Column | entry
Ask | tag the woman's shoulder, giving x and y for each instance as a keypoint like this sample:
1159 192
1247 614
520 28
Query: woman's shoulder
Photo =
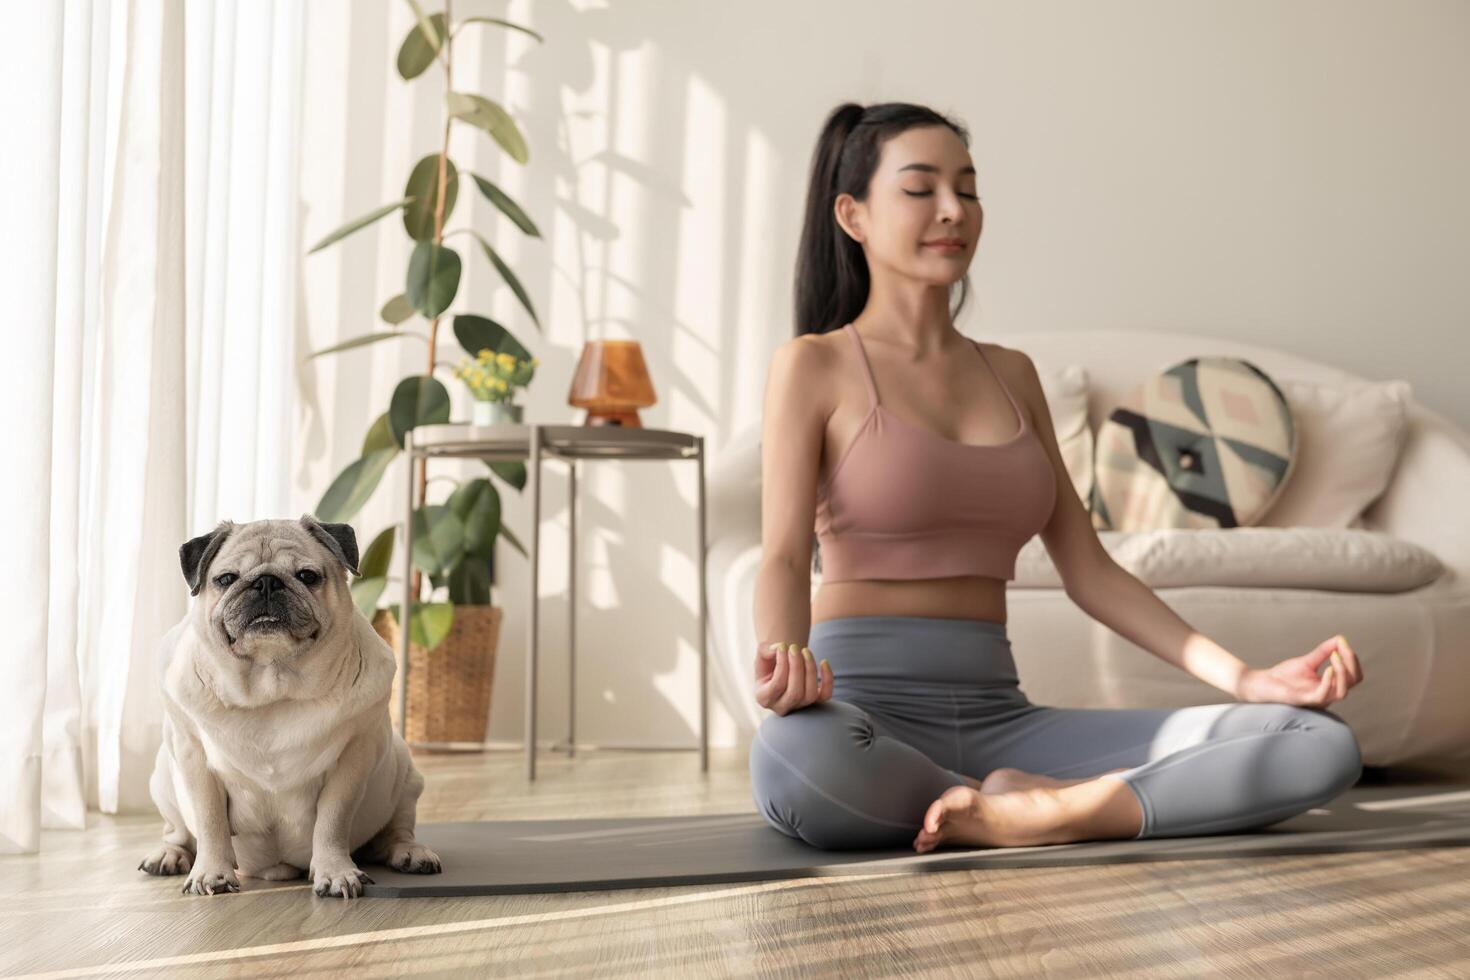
1013 360
804 361
809 352
805 374
1019 373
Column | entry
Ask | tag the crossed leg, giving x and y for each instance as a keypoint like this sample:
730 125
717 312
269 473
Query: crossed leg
839 775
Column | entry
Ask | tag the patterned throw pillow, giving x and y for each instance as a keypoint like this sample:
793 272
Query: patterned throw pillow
1209 442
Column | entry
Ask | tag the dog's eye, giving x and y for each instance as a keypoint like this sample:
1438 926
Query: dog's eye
308 577
224 580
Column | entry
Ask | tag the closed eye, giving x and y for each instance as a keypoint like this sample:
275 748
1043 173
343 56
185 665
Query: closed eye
973 197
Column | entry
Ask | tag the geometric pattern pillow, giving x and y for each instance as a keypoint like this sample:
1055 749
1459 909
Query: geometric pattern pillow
1207 443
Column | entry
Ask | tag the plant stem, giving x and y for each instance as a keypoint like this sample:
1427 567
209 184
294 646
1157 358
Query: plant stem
423 476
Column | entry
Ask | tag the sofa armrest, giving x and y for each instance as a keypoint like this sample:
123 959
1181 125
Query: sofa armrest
1425 502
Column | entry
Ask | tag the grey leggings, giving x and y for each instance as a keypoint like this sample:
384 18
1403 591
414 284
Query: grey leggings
919 701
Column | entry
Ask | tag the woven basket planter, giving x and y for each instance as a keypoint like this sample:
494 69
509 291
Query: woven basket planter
449 687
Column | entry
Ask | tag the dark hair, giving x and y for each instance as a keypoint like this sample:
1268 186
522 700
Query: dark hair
831 270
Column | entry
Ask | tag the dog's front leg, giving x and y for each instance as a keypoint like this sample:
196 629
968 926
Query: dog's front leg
214 865
332 869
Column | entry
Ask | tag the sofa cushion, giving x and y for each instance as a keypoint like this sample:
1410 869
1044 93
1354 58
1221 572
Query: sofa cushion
1350 435
1206 443
1065 389
1337 559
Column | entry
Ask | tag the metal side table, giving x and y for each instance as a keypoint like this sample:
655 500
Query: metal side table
534 442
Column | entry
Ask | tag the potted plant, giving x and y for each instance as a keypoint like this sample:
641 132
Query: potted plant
454 541
493 379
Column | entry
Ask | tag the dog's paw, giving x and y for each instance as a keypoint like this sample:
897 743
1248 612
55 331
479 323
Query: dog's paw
207 879
338 877
413 858
169 859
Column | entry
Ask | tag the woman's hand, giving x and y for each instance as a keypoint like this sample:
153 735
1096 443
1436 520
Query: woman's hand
787 678
1296 681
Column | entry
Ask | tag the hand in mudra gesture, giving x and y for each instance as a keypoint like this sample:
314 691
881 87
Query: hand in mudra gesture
1295 681
787 677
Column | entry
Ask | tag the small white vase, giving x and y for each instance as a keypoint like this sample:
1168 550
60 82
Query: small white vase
495 413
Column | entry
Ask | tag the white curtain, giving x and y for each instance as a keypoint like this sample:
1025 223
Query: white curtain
151 267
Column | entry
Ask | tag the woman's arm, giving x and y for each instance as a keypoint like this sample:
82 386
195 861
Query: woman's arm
1104 589
793 426
1116 598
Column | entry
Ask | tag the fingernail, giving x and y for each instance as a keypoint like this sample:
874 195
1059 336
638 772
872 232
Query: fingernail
807 654
825 664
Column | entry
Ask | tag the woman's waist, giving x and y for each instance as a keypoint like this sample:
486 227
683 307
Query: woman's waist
980 598
924 654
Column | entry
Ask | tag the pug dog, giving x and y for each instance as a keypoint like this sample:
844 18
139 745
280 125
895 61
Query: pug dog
278 753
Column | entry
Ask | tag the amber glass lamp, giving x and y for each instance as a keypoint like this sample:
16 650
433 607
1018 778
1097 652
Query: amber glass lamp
611 382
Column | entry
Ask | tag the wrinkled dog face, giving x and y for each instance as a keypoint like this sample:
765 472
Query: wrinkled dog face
271 588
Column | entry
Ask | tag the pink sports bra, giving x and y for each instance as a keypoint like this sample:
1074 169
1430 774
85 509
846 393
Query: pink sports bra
904 502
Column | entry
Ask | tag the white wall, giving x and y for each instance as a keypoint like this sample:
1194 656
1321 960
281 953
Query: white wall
1289 174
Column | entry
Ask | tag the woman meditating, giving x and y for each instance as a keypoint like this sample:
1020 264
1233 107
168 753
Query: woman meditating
924 461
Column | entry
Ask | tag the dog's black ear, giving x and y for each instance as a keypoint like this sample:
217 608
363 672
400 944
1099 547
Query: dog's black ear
339 539
196 554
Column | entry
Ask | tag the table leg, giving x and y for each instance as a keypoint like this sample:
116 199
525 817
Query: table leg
571 608
703 624
534 476
406 610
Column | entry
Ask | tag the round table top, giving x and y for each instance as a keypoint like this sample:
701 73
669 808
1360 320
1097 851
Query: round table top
512 440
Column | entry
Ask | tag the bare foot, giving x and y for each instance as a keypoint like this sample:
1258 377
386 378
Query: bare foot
1007 780
1019 818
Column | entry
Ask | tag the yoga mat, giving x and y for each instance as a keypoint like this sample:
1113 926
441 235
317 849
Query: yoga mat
501 857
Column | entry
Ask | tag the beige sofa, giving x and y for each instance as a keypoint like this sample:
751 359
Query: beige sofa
1395 579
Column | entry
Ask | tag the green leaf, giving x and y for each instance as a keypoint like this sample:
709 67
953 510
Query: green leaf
418 400
509 208
433 278
430 623
515 542
366 592
364 340
353 486
503 23
481 112
438 538
512 471
423 187
469 584
396 310
508 276
421 45
354 225
380 436
476 333
374 561
477 504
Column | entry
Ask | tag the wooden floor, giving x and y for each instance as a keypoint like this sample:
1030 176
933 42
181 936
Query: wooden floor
81 907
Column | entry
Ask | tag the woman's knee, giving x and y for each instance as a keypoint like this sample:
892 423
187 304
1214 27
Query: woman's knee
824 732
1339 764
788 750
811 780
